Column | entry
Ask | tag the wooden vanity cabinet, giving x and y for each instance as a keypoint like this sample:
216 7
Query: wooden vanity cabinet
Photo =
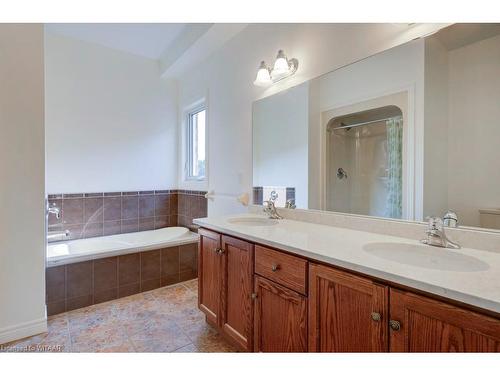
225 282
266 300
209 275
429 325
237 286
280 322
347 313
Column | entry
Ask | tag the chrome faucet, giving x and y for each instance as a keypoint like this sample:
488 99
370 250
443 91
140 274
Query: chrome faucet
290 204
436 235
54 210
450 219
270 209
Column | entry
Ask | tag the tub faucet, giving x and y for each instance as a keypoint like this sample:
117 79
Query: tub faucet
270 209
436 235
54 210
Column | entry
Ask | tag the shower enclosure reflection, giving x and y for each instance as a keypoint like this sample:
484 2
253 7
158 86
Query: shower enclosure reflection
365 163
407 133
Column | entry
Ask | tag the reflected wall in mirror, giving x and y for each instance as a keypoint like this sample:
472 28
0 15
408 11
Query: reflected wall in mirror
408 133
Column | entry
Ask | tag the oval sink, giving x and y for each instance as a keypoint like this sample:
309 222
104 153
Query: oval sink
425 256
252 221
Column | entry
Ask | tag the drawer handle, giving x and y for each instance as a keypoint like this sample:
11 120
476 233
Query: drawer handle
376 316
275 267
395 325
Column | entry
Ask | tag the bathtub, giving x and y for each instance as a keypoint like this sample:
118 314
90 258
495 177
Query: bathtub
101 247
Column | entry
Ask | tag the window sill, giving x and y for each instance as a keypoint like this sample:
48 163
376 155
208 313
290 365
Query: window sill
194 185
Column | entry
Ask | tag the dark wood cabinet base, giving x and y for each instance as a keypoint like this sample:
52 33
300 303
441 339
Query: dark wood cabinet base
267 300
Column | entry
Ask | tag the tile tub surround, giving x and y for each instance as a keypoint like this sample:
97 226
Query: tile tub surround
87 215
162 320
192 204
468 275
81 284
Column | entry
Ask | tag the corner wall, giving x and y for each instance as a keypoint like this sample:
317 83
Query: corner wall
22 174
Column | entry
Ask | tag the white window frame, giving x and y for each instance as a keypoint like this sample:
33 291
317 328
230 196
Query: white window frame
186 181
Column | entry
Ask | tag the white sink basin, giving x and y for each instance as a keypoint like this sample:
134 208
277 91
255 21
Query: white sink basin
252 221
425 256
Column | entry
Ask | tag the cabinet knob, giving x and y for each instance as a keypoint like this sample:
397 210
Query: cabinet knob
275 267
219 251
395 325
375 316
254 295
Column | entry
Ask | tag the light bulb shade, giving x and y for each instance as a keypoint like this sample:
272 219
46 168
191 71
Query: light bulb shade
281 66
263 77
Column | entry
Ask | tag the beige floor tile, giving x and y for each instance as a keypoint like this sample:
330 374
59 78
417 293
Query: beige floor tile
161 320
192 285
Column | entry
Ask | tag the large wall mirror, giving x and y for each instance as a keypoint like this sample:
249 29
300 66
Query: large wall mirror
408 133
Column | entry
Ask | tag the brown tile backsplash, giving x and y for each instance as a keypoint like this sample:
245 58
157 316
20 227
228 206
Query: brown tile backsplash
56 283
146 223
93 210
130 207
78 279
73 211
102 214
150 265
129 269
105 274
146 206
81 284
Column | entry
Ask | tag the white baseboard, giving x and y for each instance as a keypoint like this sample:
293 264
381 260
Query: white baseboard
19 331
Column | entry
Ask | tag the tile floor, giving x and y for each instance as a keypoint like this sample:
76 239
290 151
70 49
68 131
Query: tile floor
161 320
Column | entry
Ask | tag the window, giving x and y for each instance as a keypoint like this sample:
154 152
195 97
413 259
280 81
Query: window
195 147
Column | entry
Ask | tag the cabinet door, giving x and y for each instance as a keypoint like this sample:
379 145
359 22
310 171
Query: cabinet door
280 318
427 325
347 313
209 275
237 283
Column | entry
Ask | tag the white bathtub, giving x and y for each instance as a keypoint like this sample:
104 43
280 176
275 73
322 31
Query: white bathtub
101 247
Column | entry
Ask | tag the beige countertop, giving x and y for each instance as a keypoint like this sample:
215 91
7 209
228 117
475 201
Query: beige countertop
467 275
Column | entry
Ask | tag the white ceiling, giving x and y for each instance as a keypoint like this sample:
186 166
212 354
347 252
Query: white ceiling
148 40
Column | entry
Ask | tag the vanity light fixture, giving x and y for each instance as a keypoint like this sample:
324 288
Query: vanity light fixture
283 68
263 75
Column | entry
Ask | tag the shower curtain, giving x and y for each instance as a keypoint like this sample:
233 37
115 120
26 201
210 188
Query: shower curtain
395 167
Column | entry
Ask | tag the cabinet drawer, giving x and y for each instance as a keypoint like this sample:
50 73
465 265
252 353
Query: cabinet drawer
282 268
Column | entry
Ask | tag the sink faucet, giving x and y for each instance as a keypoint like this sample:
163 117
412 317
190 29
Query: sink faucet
436 235
270 209
290 204
450 219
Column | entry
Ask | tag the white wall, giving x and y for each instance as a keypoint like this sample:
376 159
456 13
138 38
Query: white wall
227 76
22 214
280 142
474 129
111 122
